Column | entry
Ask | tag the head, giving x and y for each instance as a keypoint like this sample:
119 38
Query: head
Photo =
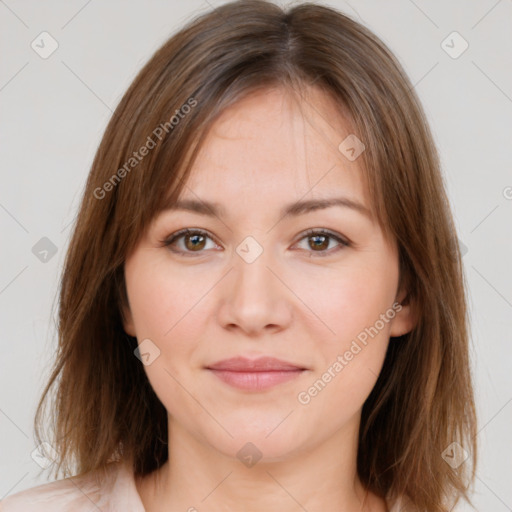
252 281
255 108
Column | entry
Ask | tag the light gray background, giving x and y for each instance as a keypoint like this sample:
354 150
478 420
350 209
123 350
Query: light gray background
53 114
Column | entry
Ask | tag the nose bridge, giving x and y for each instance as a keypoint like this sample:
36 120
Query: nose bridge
253 261
255 297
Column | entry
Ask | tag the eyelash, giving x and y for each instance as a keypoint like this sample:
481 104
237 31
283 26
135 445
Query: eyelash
169 241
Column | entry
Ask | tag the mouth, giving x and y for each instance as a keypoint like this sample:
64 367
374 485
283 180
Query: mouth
257 374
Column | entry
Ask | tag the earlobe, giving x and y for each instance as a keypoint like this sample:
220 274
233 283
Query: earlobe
405 319
127 318
403 322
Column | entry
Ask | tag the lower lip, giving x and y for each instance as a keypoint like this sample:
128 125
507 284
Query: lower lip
256 381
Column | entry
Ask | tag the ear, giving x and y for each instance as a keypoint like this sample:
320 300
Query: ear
406 317
127 317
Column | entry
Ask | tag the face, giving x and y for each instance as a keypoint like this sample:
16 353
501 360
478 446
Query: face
315 288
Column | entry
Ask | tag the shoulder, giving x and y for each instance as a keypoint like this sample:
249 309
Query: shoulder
112 488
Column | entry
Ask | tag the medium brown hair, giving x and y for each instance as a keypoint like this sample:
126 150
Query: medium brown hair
423 401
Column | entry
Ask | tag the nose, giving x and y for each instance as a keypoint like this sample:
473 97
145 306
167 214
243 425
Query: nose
254 297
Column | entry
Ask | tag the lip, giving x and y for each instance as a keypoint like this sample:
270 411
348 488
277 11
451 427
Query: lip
255 374
261 364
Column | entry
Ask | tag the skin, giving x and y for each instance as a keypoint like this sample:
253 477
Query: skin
295 302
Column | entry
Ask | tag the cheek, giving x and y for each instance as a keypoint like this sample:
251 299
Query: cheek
166 307
351 304
162 307
351 299
161 300
351 358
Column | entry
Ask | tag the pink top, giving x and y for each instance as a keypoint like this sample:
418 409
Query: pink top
113 491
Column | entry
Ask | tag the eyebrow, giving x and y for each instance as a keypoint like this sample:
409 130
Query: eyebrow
294 209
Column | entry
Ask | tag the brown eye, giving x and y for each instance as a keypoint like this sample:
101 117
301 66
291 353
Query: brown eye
319 241
194 241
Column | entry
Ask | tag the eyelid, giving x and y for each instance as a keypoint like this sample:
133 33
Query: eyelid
323 231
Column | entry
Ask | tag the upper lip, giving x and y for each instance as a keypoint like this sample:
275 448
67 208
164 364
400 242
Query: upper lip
261 364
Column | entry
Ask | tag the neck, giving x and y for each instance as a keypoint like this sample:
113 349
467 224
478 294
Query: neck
198 477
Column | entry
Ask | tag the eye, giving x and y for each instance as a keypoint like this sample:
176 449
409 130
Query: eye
319 241
195 241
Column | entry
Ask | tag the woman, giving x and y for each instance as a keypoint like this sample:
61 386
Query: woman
262 306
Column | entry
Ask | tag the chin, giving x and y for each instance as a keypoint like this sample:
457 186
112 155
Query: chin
266 436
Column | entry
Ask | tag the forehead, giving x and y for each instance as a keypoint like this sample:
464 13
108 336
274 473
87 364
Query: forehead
276 147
